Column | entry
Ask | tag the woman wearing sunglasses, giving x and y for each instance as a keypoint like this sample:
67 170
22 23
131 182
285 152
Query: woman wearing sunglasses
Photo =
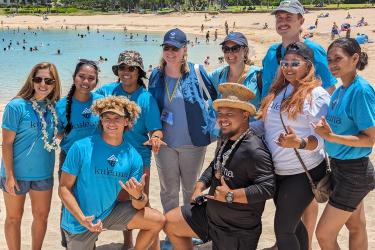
76 120
296 99
146 134
177 89
349 134
238 70
29 142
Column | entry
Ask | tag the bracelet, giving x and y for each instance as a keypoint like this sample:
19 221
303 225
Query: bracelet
155 136
303 143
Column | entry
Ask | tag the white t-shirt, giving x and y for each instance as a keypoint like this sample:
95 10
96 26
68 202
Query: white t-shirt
285 159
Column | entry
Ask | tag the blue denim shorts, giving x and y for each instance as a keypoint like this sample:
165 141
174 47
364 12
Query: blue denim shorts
352 181
25 186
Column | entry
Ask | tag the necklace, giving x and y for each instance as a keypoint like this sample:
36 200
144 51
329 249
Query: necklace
170 97
241 75
54 144
220 165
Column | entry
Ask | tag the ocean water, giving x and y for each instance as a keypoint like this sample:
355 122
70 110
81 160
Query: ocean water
16 63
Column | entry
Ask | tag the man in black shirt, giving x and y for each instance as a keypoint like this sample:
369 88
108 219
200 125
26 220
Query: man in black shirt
240 179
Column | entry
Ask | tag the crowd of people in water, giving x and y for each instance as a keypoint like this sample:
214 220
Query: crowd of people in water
281 131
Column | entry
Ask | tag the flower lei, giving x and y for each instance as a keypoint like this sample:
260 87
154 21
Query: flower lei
55 143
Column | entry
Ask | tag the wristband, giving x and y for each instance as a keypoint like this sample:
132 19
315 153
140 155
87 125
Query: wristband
155 136
141 198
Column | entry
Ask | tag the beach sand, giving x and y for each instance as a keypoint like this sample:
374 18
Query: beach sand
251 25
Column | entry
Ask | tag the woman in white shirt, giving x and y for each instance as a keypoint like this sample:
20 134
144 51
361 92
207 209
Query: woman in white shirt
296 99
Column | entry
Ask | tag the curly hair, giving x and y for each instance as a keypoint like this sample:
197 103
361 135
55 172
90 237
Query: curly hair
121 103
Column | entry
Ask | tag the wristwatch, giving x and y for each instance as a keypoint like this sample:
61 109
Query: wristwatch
229 197
303 144
141 198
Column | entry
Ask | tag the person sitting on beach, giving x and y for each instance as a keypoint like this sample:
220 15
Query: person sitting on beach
146 131
239 69
348 16
240 180
76 120
296 99
349 134
265 26
90 197
29 143
362 22
176 85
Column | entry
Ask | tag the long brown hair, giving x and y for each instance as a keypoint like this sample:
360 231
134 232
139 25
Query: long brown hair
294 104
27 91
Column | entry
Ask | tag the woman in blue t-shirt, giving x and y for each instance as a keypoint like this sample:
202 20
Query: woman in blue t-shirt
29 144
349 134
239 69
76 120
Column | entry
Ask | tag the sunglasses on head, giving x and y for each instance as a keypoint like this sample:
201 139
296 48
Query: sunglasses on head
126 67
89 62
233 49
48 81
168 47
293 64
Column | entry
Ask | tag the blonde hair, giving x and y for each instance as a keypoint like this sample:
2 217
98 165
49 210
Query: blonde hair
294 104
27 91
120 103
184 64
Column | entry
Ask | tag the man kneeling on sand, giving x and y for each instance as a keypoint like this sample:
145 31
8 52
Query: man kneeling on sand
240 179
93 173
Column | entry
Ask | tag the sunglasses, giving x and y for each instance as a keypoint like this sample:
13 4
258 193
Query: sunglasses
233 49
167 47
293 64
48 81
126 67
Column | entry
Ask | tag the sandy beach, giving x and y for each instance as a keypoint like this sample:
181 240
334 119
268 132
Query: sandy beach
260 40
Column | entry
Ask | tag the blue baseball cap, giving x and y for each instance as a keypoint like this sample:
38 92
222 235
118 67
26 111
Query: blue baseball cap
175 37
290 6
236 37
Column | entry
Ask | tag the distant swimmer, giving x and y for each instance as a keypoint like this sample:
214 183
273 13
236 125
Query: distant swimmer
207 61
58 52
145 38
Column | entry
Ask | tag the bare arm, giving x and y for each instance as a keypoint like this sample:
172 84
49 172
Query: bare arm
7 152
67 197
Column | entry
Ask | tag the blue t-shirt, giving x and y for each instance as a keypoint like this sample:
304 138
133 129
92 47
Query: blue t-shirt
351 111
220 75
174 116
270 66
84 122
31 162
149 119
98 167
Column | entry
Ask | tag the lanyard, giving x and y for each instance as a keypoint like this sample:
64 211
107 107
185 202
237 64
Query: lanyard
170 97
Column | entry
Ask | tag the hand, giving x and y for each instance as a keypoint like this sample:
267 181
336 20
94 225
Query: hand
94 228
197 192
220 191
133 187
155 143
322 128
11 185
288 139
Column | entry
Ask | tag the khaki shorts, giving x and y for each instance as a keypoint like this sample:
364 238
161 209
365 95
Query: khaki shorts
117 220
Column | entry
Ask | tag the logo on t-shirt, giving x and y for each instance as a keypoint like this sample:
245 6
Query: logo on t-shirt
86 113
112 160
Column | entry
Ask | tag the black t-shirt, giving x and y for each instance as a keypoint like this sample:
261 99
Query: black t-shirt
249 166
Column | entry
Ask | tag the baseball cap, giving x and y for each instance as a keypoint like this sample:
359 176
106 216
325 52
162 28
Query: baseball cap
236 37
290 6
175 37
301 49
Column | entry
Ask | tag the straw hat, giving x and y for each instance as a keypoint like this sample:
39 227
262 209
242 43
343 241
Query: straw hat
235 95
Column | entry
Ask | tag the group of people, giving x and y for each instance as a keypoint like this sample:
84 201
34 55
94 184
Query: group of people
274 126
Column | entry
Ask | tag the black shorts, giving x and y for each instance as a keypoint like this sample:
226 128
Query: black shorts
352 181
222 239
